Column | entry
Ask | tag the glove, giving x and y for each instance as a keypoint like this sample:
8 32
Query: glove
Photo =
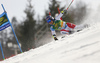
65 11
62 12
55 38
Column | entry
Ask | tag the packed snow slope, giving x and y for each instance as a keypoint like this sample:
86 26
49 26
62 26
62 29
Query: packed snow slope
80 47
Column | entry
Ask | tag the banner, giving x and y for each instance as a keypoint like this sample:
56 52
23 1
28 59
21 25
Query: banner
4 23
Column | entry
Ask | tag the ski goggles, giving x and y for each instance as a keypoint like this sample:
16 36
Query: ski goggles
48 20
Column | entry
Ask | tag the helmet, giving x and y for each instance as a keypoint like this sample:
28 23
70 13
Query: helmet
49 18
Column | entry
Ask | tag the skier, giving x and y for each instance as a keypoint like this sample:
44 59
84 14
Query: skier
57 24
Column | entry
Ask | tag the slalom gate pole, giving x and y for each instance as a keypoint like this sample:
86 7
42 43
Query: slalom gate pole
69 4
12 29
2 51
58 10
49 13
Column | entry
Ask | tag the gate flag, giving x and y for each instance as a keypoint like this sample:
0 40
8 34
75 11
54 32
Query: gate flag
4 22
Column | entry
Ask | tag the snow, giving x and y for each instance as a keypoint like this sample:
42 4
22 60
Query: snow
80 47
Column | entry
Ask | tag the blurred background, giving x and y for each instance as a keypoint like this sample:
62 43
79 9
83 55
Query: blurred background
32 30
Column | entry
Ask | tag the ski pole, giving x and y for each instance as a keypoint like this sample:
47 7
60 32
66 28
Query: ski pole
69 4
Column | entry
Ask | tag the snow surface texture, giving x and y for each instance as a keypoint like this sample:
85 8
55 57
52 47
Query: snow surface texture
80 47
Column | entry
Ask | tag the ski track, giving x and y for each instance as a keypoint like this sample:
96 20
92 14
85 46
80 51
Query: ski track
80 47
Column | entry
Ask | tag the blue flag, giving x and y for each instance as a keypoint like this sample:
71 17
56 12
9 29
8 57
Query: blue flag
4 23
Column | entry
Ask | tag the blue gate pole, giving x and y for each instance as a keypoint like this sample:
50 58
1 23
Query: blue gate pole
15 35
12 29
2 51
16 38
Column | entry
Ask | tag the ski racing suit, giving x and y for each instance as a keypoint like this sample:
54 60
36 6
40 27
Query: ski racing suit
64 27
